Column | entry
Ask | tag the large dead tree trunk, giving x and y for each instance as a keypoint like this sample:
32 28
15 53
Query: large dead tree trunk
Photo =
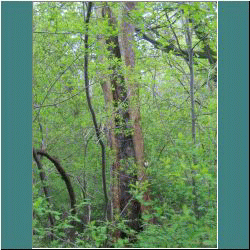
123 202
126 42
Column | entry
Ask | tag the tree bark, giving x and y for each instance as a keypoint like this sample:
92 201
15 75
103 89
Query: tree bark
189 34
45 188
98 134
110 123
123 202
65 178
127 41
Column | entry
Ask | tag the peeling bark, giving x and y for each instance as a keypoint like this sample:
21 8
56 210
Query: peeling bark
127 40
123 202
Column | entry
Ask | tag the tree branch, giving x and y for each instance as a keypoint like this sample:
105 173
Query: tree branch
45 188
176 38
64 176
171 47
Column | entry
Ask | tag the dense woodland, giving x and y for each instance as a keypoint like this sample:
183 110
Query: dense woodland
125 124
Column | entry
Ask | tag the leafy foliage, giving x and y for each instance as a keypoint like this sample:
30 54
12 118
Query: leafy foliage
184 192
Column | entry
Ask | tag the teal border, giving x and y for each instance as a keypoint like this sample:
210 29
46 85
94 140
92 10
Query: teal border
233 125
16 154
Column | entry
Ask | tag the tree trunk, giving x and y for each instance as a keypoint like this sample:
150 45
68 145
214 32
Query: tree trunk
123 202
127 40
189 34
97 130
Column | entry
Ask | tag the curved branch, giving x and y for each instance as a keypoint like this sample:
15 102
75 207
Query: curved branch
45 188
64 176
98 134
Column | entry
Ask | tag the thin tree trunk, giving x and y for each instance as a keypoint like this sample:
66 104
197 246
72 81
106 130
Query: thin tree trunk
98 134
189 34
